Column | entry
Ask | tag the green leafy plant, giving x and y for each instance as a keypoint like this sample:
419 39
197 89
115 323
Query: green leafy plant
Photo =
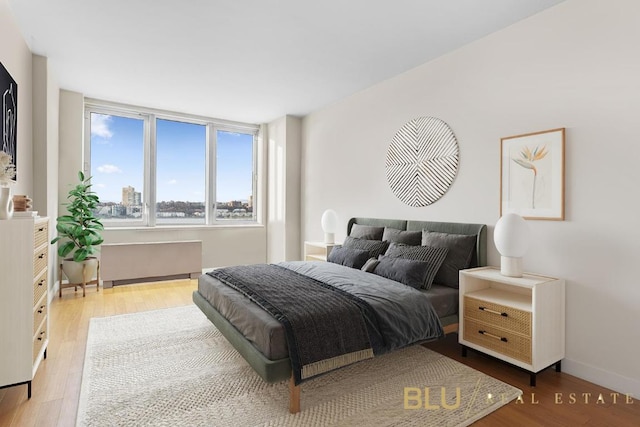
79 231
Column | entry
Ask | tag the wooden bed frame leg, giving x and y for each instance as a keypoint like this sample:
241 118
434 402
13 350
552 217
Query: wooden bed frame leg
294 396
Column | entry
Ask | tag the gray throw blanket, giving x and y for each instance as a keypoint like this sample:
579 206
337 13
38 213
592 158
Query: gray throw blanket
326 327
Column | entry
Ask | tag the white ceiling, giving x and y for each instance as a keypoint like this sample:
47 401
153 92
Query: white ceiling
249 60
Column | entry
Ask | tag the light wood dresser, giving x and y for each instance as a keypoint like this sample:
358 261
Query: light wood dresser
24 304
520 320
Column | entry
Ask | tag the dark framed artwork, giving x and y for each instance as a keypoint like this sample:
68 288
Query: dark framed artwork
9 92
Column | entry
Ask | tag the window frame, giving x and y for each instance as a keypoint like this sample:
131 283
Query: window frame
149 117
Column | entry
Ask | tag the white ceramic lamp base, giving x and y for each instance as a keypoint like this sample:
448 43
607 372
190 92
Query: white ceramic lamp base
511 266
329 237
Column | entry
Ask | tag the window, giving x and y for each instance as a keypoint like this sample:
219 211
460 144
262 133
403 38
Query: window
153 168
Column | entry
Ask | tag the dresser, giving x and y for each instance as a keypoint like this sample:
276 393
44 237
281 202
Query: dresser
24 300
520 320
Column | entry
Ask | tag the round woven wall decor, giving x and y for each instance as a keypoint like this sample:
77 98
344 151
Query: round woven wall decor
422 161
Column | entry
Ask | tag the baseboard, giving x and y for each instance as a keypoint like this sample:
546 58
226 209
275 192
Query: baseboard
601 377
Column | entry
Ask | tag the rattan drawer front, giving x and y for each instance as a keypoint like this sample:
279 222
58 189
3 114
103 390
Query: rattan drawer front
41 234
504 317
39 340
39 287
496 339
39 313
40 260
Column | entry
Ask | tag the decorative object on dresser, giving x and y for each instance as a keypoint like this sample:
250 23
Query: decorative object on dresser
518 320
511 237
7 174
79 233
22 203
24 306
532 175
329 222
422 161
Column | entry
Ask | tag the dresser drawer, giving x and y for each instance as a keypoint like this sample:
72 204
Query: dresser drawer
39 340
496 339
39 313
40 260
40 286
40 234
502 316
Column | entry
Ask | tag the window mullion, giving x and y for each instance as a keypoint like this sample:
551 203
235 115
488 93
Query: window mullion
150 171
211 174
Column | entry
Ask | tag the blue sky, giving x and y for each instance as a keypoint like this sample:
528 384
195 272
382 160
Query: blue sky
117 160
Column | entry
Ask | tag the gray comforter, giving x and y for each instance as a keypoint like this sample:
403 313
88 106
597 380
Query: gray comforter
404 315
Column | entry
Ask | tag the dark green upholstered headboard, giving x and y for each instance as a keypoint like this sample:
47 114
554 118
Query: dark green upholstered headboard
480 230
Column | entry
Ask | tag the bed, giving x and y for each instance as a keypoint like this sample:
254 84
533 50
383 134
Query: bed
263 341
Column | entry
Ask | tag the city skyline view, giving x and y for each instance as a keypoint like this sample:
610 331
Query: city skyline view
117 160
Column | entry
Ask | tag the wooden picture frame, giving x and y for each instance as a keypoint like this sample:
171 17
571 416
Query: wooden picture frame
532 175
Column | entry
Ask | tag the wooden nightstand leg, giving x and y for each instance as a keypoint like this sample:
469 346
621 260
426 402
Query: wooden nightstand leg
559 366
84 283
532 379
98 277
28 389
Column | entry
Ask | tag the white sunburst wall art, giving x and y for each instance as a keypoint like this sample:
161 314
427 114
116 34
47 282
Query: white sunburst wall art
422 161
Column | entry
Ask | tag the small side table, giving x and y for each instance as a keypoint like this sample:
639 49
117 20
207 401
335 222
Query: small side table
83 285
318 251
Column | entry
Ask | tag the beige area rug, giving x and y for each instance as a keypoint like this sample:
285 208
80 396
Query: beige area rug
172 367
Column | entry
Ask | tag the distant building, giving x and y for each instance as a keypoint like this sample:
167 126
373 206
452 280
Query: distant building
131 197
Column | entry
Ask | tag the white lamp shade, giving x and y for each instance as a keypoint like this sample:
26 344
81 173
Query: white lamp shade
329 223
511 237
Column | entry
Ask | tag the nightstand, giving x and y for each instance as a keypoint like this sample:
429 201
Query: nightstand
520 320
317 251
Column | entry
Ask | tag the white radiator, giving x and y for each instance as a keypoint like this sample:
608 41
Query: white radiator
130 262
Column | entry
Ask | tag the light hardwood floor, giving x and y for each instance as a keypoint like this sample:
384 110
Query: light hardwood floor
56 386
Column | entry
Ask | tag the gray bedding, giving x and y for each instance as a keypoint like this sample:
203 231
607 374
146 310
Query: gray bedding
388 297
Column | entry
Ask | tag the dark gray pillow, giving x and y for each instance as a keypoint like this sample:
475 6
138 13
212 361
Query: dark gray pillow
458 258
399 236
410 272
370 265
366 232
349 257
434 256
375 247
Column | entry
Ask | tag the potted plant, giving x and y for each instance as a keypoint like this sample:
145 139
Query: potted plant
79 233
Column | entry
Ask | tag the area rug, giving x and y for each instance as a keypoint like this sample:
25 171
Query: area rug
172 367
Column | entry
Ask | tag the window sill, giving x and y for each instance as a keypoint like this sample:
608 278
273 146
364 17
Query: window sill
170 227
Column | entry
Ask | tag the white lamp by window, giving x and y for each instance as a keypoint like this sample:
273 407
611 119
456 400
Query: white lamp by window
329 223
511 237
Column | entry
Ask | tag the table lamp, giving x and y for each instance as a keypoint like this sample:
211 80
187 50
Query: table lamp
511 237
329 223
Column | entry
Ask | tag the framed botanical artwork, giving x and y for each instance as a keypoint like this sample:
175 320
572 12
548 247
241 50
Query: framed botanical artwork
532 175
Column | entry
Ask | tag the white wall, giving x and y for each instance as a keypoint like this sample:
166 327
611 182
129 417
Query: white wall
283 212
221 245
16 58
45 149
576 65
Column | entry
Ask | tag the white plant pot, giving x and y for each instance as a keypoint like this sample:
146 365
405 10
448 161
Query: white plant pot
73 270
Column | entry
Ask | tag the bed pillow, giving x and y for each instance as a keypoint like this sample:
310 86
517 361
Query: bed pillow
370 265
458 258
408 271
349 257
432 255
366 232
399 236
375 247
